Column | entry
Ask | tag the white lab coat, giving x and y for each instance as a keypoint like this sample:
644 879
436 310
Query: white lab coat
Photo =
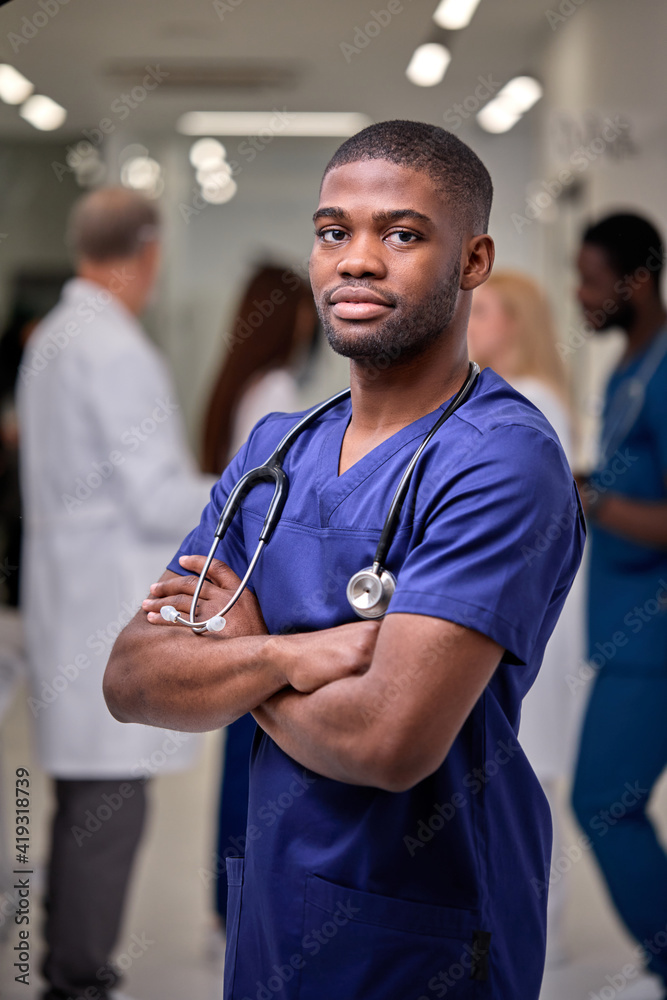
109 490
551 711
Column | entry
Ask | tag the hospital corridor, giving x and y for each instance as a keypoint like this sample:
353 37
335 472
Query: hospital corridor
333 500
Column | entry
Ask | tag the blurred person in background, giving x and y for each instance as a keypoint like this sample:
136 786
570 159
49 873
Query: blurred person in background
272 341
624 741
511 330
108 487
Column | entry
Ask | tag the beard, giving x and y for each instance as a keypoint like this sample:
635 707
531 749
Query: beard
624 317
407 333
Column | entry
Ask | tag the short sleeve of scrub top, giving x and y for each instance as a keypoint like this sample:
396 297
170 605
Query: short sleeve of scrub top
477 557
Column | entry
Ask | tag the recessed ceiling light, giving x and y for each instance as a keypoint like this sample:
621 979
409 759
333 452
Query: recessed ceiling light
205 151
14 88
455 14
428 64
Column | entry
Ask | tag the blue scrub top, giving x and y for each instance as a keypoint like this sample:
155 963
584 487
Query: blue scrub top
627 605
358 893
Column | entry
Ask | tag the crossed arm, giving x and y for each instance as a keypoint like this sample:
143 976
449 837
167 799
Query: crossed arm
363 703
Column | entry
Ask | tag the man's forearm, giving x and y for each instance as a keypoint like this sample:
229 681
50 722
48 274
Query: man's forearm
169 677
638 520
334 731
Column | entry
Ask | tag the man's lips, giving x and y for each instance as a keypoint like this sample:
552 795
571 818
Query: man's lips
358 303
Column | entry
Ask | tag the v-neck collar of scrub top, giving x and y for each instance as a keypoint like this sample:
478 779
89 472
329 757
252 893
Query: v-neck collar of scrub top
333 489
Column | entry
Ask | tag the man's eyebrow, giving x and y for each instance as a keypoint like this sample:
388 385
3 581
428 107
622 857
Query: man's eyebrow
331 213
393 215
400 213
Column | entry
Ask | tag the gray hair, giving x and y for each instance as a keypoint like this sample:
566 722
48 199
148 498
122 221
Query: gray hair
111 223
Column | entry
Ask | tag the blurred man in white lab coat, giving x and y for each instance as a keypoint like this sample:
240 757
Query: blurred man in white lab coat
109 487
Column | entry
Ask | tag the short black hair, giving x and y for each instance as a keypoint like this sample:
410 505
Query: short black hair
630 241
454 167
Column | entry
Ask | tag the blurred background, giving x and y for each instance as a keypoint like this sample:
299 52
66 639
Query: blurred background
277 86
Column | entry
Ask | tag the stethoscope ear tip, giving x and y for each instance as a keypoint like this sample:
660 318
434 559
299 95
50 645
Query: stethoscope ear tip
169 613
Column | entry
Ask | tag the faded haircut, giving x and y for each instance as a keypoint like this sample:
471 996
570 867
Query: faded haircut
454 168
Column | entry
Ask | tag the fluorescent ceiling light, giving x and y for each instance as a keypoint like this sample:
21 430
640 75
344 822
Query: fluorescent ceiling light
455 14
497 118
14 88
275 123
428 64
520 93
43 113
510 104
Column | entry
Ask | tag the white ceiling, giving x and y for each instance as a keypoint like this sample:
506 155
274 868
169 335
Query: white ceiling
72 57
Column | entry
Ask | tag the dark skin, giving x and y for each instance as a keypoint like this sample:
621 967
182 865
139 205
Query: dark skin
311 693
609 300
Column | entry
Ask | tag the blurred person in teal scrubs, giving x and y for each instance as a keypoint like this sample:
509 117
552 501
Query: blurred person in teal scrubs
624 741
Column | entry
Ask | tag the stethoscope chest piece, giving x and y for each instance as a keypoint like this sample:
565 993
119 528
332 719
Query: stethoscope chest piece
369 592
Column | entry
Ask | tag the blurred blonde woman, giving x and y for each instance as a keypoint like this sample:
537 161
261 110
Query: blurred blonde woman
511 330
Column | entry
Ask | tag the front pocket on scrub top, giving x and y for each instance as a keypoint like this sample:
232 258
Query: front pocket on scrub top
363 946
235 867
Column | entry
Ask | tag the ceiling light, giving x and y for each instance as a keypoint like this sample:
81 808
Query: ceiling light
14 88
497 118
428 64
219 194
510 104
43 113
142 173
520 93
276 123
205 151
455 14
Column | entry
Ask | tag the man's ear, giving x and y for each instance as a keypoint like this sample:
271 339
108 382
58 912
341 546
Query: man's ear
478 263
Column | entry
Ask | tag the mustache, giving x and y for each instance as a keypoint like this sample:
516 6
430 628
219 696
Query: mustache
391 300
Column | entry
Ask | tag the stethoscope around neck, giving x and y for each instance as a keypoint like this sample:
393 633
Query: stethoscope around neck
370 589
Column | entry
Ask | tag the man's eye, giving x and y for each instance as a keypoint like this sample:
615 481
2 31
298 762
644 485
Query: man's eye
332 235
403 236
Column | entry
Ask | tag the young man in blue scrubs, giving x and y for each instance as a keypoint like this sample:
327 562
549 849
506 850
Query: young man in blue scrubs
398 841
624 740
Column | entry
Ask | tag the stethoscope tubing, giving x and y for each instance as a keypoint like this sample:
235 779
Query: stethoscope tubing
272 470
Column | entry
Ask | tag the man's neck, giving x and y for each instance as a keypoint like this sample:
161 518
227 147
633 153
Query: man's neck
645 326
385 401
